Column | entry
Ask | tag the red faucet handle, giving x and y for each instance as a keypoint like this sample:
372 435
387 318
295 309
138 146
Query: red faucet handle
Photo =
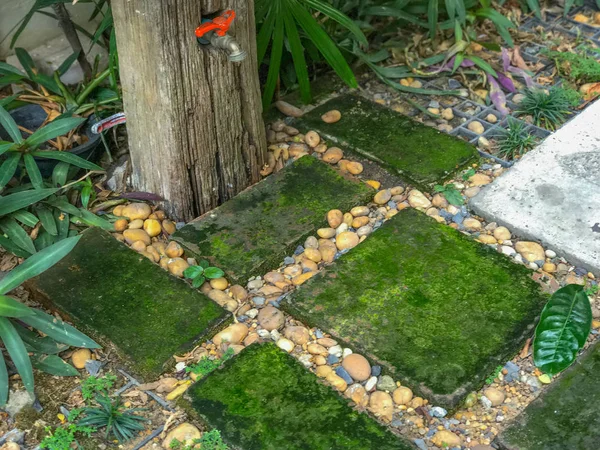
220 24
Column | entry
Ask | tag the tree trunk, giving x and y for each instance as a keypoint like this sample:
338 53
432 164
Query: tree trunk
64 20
196 134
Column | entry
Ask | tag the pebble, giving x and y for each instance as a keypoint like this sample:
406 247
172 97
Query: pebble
417 199
288 260
359 211
80 356
332 359
375 371
347 240
476 127
343 373
326 233
285 344
531 251
332 116
495 396
438 411
312 138
357 367
185 433
508 251
386 383
502 234
382 197
472 224
402 395
491 118
446 439
381 405
371 384
288 109
270 318
255 284
550 254
233 334
333 155
480 179
336 350
335 218
518 98
358 394
258 301
298 334
337 382
447 114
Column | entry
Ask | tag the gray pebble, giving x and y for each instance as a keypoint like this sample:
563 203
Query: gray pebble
288 260
341 372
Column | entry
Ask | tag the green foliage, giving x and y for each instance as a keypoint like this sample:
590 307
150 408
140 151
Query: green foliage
549 109
572 95
592 290
564 326
493 376
210 440
468 174
534 6
513 141
64 437
92 386
202 272
450 193
18 340
123 425
578 68
206 366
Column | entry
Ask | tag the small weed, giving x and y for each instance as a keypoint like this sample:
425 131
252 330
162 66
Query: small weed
549 109
64 437
451 194
514 142
110 415
206 366
202 272
493 376
468 174
92 386
572 95
592 290
577 68
210 440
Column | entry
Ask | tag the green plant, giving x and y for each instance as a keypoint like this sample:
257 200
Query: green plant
549 109
563 328
110 415
468 174
450 193
64 437
92 386
284 20
578 68
210 440
572 95
534 6
514 141
202 272
592 290
494 375
206 366
18 340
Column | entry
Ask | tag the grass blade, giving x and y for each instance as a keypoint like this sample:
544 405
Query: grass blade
9 307
17 351
297 55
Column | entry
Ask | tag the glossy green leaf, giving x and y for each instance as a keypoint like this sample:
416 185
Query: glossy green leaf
47 219
193 271
60 174
564 326
44 240
17 352
198 281
25 217
339 17
3 382
432 17
62 223
53 365
57 329
297 51
274 62
86 193
482 65
11 127
68 158
388 11
8 245
67 63
9 307
8 68
37 264
33 171
37 344
5 146
9 167
534 6
568 5
57 127
93 220
26 61
17 234
20 200
62 203
213 272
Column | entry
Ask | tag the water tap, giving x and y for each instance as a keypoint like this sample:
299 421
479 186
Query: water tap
214 32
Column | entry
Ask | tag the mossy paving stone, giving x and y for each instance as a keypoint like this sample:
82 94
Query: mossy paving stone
252 233
566 416
419 154
116 294
435 308
264 399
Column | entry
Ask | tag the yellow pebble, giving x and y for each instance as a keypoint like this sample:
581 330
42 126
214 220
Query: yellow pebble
374 184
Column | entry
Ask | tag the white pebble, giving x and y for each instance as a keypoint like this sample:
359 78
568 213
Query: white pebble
180 366
263 333
370 384
336 350
346 352
275 335
342 228
550 254
508 251
252 313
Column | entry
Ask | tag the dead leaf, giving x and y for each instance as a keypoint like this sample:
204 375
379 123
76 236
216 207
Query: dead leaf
525 350
148 386
517 60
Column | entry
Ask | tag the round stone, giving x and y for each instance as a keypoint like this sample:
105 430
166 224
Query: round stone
332 116
476 127
480 179
487 239
298 334
233 334
446 439
386 383
417 199
185 433
472 224
334 218
347 240
502 234
357 366
312 138
472 191
238 292
80 356
382 197
285 344
337 382
491 118
326 233
447 114
313 254
381 405
132 236
355 168
495 396
531 251
402 395
270 318
311 242
324 371
358 394
135 211
219 283
333 155
359 211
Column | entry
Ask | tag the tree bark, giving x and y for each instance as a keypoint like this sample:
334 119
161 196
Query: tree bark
64 20
194 122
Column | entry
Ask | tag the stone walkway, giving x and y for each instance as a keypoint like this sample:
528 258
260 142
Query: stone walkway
422 302
553 193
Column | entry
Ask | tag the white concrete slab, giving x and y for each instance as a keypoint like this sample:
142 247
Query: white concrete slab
553 194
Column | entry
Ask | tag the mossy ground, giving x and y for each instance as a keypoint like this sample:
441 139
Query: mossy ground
252 233
434 307
264 399
419 154
111 291
564 417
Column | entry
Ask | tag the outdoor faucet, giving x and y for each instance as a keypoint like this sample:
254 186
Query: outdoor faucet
214 32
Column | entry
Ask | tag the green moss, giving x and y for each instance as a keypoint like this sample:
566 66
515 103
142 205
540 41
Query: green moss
264 399
113 292
252 233
417 153
565 416
437 309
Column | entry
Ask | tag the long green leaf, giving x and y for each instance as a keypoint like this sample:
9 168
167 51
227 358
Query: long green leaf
37 264
388 11
564 326
14 202
62 223
53 365
274 62
3 382
4 147
26 61
298 56
568 5
33 171
62 204
432 17
68 158
18 235
502 23
324 43
17 351
7 68
451 8
534 6
11 127
37 344
47 219
10 246
9 307
339 17
57 329
60 174
67 63
92 219
482 65
9 167
25 217
54 129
